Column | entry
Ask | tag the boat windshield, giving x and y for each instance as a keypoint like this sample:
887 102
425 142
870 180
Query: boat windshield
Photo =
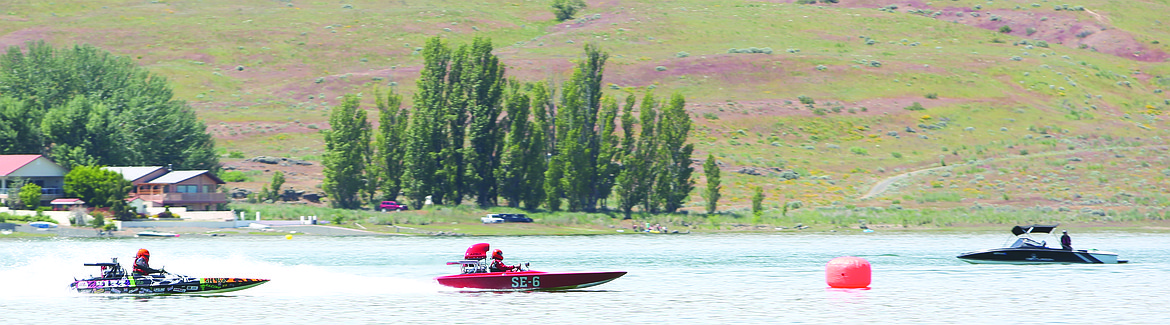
1027 242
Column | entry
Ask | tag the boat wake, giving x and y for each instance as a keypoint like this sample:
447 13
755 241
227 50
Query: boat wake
49 276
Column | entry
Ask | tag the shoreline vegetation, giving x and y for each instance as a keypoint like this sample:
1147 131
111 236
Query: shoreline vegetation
464 220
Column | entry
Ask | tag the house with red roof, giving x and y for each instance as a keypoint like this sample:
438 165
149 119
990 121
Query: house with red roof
163 187
34 169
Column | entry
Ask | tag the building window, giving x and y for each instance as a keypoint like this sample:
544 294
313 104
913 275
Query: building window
188 188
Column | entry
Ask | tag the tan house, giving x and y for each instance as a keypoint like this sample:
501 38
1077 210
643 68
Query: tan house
161 187
34 169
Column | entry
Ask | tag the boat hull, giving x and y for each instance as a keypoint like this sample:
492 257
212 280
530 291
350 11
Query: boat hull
1034 255
528 280
155 234
164 284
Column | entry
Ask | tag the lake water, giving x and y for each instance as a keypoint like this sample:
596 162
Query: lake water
675 279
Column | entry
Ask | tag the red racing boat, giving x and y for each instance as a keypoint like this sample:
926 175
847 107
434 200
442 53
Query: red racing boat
475 275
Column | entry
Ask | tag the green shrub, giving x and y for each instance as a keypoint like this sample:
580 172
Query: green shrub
1005 28
806 100
234 176
660 68
897 155
932 95
914 107
859 151
565 9
30 195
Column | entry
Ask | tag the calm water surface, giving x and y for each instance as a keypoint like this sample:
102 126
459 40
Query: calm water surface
682 279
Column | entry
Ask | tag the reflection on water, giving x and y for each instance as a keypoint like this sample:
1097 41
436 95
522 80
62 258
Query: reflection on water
693 278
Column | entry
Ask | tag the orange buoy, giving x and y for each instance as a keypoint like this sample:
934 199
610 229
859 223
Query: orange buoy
847 272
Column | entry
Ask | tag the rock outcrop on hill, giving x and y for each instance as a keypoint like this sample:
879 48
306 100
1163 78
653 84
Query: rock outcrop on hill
279 161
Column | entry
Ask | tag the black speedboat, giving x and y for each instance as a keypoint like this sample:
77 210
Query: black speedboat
115 280
1028 250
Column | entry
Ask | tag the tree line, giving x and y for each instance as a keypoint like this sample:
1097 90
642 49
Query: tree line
475 134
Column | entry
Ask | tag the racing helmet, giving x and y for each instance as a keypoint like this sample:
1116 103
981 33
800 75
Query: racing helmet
143 252
498 254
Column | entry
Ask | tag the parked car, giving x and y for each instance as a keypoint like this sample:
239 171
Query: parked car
491 218
513 217
391 205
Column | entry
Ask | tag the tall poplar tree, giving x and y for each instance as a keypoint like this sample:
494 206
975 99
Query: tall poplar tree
643 159
424 140
608 152
460 82
346 143
627 179
673 162
578 132
711 169
514 158
538 152
389 145
485 84
553 190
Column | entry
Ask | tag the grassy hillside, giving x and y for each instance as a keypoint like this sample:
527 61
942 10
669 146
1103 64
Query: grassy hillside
1062 108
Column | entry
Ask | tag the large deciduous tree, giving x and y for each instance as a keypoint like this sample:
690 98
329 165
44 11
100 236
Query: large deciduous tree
96 186
453 141
389 146
424 137
512 171
673 161
484 81
580 128
82 105
346 144
19 132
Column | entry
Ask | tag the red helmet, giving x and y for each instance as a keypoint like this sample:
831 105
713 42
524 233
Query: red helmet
498 254
143 252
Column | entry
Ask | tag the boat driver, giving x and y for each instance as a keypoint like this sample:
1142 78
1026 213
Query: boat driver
1066 241
142 263
498 263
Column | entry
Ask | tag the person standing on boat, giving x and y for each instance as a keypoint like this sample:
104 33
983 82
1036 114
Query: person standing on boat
1066 241
142 263
498 263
